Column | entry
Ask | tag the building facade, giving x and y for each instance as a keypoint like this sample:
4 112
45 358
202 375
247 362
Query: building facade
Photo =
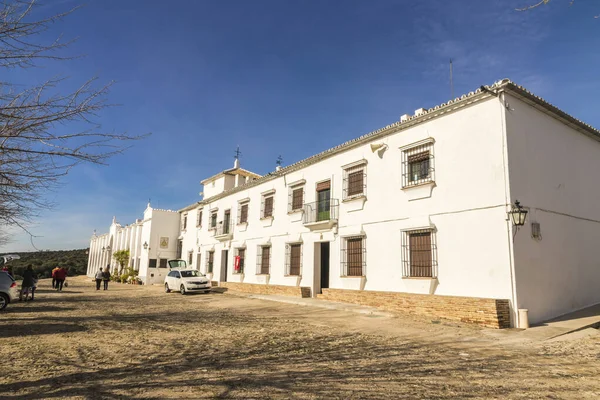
420 207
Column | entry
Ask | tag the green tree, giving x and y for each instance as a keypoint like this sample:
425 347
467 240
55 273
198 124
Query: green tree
121 257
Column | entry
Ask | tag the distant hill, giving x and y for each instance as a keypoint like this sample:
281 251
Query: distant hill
44 261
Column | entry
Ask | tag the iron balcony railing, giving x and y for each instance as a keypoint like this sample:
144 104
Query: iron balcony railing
320 211
224 228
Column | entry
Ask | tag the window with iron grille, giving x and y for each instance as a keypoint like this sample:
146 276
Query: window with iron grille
190 258
198 260
263 260
213 220
417 165
137 264
354 256
162 263
293 259
267 206
184 223
152 263
241 253
355 181
296 198
419 254
199 220
243 213
210 260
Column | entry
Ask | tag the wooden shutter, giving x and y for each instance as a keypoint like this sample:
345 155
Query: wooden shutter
354 253
418 157
323 186
268 207
242 255
297 198
244 214
199 218
265 260
295 256
355 182
420 254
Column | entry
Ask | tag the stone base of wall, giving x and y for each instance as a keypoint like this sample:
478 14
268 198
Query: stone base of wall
490 313
254 288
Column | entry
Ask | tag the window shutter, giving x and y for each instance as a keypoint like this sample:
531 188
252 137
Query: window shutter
295 255
268 207
265 259
355 182
297 198
418 157
420 254
244 214
323 186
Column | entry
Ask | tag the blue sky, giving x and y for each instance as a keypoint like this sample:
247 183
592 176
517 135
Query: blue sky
286 77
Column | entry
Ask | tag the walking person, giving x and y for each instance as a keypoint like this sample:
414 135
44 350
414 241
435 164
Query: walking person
99 277
27 283
106 277
61 275
54 277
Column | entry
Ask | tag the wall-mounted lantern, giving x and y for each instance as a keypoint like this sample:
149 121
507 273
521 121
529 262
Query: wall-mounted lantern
145 245
103 248
107 248
518 214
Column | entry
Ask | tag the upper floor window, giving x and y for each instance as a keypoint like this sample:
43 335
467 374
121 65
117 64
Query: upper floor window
417 164
355 180
243 213
199 220
213 219
419 254
184 223
354 256
296 198
267 205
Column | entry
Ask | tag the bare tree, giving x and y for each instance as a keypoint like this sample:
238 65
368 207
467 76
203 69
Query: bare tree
543 2
39 142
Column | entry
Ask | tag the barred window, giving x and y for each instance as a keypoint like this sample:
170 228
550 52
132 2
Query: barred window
184 223
190 258
241 253
354 256
198 260
263 260
419 250
210 260
199 220
213 220
152 263
137 264
293 259
243 213
355 181
296 198
162 263
417 165
267 206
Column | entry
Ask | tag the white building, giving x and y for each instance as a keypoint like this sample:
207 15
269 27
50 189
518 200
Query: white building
421 207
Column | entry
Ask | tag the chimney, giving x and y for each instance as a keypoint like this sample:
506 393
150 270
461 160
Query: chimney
404 118
419 111
236 163
278 168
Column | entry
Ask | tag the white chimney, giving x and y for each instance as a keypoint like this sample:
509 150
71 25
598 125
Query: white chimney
404 118
278 168
419 111
236 163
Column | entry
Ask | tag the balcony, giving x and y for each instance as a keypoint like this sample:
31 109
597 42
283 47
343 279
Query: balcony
224 231
321 214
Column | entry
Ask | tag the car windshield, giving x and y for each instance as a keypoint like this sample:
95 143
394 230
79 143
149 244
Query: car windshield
190 274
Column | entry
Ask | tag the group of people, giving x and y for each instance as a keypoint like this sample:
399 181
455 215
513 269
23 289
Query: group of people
103 276
59 274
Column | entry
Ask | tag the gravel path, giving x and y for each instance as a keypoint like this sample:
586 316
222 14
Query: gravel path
137 342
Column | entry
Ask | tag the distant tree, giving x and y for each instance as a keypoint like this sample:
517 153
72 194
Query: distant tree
41 134
544 2
122 258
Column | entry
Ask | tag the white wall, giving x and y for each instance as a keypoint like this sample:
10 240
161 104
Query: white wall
554 172
467 207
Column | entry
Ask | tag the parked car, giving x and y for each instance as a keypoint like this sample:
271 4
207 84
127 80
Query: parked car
8 289
186 280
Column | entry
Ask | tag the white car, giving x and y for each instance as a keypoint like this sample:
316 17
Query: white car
187 280
8 289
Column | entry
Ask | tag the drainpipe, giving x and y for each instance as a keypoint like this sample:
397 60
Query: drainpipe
511 253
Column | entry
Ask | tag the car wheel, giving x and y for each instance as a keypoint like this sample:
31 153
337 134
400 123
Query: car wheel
167 290
3 301
182 289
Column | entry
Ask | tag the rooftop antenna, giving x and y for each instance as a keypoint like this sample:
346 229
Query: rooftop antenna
279 160
451 82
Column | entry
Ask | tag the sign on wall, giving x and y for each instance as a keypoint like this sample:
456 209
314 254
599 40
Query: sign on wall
164 242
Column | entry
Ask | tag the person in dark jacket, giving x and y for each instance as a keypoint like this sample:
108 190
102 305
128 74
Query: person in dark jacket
106 277
99 277
28 277
60 275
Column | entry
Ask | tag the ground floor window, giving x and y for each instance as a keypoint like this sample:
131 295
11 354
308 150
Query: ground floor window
163 263
152 263
354 256
263 260
198 260
419 254
293 259
238 267
210 260
190 258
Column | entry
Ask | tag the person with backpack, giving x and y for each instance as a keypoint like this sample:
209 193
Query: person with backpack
106 277
60 275
99 277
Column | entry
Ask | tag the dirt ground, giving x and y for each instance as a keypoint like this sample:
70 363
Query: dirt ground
138 342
